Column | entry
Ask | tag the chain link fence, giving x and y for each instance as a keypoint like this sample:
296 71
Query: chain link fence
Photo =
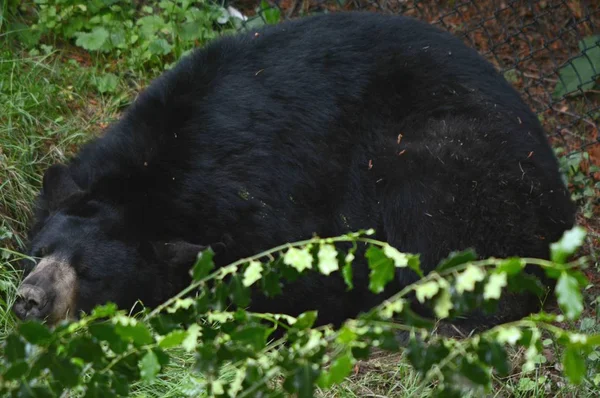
549 50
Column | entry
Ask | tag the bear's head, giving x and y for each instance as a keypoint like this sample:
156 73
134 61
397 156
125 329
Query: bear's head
84 254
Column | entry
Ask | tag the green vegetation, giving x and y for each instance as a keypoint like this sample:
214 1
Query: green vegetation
61 82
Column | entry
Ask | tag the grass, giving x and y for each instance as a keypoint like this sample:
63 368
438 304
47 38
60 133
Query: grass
49 105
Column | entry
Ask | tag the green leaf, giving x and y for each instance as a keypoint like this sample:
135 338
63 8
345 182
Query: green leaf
35 332
456 258
392 307
493 289
466 280
569 296
14 348
86 348
328 262
173 339
574 364
494 355
567 245
16 370
347 271
149 366
443 304
65 372
271 14
302 381
131 330
107 83
510 266
427 290
475 371
339 370
255 336
252 273
150 25
106 310
509 335
106 332
93 40
306 320
191 341
240 294
400 259
160 47
382 269
300 259
204 264
271 285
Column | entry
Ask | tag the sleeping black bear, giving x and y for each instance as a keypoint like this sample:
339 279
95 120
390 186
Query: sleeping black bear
321 125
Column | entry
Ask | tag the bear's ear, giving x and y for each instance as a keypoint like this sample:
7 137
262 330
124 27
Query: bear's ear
180 253
58 185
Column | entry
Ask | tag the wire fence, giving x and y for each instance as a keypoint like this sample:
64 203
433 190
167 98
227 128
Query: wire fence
549 50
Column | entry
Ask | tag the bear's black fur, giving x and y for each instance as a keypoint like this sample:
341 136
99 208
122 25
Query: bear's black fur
274 135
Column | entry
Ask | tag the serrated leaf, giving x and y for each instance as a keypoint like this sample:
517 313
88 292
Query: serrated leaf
106 310
456 258
106 332
240 294
306 320
65 372
252 273
493 289
300 259
392 307
510 266
191 340
574 364
149 366
466 280
567 245
509 335
271 14
236 385
35 332
107 83
16 370
569 295
173 339
180 303
93 40
131 330
160 47
400 259
494 355
255 336
302 380
347 273
475 371
427 290
204 264
328 262
443 304
338 371
150 25
382 269
14 348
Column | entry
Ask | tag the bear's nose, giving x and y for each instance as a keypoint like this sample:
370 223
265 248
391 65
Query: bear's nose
31 302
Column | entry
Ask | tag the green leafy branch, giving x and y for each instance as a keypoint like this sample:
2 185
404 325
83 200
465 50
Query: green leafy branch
107 352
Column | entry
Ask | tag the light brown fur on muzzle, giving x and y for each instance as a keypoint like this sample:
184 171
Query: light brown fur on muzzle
49 292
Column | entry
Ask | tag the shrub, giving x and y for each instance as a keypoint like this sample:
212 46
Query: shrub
103 353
